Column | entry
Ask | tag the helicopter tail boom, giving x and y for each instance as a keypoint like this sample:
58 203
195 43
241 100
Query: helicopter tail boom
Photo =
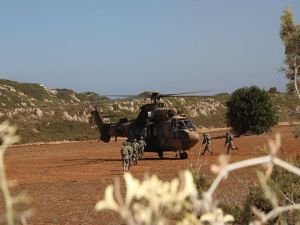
103 128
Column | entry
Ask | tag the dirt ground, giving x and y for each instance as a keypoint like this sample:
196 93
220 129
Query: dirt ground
66 180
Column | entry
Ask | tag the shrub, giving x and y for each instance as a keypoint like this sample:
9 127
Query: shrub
250 109
200 181
233 210
285 185
255 198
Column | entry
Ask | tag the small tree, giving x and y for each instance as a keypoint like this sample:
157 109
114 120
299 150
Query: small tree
250 109
290 36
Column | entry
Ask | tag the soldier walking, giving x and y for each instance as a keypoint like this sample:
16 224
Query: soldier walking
130 152
207 142
229 142
135 147
125 157
142 145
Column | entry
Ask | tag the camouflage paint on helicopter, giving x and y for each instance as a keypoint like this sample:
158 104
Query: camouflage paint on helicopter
164 129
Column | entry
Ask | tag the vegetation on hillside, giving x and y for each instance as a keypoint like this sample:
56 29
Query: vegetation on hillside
44 114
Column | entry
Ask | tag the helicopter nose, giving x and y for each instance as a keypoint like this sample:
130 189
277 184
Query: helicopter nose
193 138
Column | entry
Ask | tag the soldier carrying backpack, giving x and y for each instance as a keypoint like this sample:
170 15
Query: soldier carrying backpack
207 142
229 142
125 157
142 144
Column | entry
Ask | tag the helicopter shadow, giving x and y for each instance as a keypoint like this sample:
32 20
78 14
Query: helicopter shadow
164 158
81 162
92 160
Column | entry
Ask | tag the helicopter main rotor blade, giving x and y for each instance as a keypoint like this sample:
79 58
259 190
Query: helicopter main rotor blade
155 95
115 97
167 96
122 95
185 94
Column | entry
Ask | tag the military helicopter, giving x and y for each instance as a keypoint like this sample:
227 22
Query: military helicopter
163 129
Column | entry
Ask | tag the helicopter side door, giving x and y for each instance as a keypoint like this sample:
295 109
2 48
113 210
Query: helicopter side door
136 132
154 137
155 131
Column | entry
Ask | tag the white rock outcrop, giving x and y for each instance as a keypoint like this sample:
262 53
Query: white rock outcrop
38 113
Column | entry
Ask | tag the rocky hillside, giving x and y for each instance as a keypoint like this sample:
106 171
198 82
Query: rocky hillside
44 114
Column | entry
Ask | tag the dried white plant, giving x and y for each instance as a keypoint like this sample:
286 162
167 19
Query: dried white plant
145 201
8 137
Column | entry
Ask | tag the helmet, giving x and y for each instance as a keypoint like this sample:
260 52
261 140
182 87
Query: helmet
134 140
141 138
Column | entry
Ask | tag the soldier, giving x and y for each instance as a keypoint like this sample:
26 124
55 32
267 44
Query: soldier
229 142
142 145
130 152
207 142
135 147
125 157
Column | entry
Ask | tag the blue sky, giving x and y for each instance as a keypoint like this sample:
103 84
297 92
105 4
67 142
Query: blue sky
126 47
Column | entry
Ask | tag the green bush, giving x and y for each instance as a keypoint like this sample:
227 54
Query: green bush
250 109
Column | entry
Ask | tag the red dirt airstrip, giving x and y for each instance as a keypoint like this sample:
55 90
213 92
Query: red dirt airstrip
65 180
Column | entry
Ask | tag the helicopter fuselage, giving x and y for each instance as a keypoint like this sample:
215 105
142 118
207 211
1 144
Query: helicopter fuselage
163 129
176 133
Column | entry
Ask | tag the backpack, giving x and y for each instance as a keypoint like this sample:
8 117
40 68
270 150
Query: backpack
207 138
124 151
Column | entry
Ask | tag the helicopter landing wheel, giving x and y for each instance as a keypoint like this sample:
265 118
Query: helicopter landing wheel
160 154
183 155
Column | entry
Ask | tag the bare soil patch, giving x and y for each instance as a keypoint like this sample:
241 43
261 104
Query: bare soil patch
66 180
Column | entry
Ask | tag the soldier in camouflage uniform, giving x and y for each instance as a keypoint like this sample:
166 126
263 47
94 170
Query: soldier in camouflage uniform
207 142
142 145
229 142
125 157
130 152
135 147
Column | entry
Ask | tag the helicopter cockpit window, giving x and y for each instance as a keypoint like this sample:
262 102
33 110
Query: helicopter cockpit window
190 125
180 125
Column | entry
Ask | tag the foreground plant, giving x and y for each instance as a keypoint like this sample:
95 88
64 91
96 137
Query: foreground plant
147 202
8 137
151 201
